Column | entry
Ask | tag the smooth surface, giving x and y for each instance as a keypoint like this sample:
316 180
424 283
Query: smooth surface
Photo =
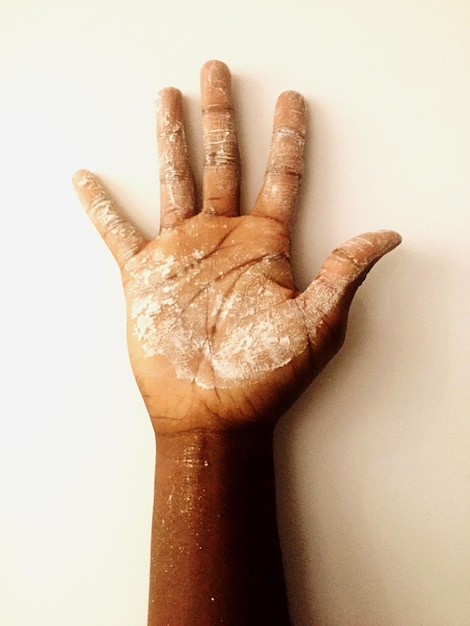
373 461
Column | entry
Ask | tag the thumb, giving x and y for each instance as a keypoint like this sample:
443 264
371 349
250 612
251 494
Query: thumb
326 301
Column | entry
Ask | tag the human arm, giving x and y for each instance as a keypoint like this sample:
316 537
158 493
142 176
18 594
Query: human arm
215 547
221 343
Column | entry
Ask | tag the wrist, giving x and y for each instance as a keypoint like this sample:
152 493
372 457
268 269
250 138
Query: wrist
215 547
199 447
206 469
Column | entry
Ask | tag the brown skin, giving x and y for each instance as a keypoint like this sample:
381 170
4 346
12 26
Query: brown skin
215 550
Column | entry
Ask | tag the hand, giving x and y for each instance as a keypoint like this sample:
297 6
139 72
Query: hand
218 335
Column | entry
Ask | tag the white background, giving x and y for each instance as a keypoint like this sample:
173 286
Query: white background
374 461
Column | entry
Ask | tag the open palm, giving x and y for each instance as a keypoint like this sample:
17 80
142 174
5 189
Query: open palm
218 335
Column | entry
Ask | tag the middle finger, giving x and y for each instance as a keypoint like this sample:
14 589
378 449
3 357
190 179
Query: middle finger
221 188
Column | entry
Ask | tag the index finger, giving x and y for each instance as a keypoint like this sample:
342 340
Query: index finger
281 183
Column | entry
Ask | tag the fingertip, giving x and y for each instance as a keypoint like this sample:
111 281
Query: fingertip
84 183
291 112
355 258
393 238
292 98
81 177
169 94
383 240
169 107
216 83
214 67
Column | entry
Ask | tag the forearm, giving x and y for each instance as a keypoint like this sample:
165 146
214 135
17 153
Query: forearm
215 549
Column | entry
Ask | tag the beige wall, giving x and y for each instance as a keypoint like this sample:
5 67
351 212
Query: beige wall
374 460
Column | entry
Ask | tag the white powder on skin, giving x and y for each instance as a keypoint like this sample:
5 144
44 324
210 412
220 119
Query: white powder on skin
213 337
121 236
176 188
219 141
